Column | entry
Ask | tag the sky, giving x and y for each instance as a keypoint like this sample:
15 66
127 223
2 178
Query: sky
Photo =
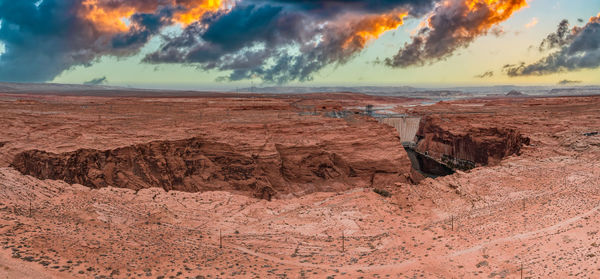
212 44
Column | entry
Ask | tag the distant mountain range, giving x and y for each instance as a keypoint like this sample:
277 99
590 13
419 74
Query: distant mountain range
45 87
399 91
439 93
327 89
90 90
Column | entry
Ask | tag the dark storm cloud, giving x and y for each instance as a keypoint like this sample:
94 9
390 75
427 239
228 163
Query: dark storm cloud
241 40
144 27
578 48
329 8
279 41
43 41
34 39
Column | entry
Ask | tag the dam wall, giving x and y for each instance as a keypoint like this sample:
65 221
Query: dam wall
407 127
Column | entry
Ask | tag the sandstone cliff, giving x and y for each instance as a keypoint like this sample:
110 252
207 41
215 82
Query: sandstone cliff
272 167
463 146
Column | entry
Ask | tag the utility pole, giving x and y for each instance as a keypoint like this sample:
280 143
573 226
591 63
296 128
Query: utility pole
31 198
452 222
521 270
220 239
343 243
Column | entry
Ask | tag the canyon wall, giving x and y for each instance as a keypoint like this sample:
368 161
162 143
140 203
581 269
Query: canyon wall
463 146
275 167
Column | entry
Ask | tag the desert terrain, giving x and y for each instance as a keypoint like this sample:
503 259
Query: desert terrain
297 186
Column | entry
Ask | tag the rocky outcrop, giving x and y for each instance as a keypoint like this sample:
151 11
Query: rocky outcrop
466 147
198 164
515 93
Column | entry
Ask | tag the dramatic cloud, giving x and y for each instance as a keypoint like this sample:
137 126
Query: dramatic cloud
561 37
280 41
43 38
273 40
328 9
577 48
96 81
452 25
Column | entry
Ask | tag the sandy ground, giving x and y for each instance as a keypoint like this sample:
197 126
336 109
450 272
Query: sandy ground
15 268
536 214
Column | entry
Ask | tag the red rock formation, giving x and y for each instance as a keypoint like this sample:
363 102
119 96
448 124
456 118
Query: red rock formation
197 164
467 146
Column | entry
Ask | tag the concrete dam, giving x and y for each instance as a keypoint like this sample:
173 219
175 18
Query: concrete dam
407 128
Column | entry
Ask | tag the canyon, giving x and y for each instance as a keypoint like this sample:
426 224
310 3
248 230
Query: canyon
276 167
297 185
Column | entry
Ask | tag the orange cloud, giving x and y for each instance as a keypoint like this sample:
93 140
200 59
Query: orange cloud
498 10
110 16
106 20
370 28
196 9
